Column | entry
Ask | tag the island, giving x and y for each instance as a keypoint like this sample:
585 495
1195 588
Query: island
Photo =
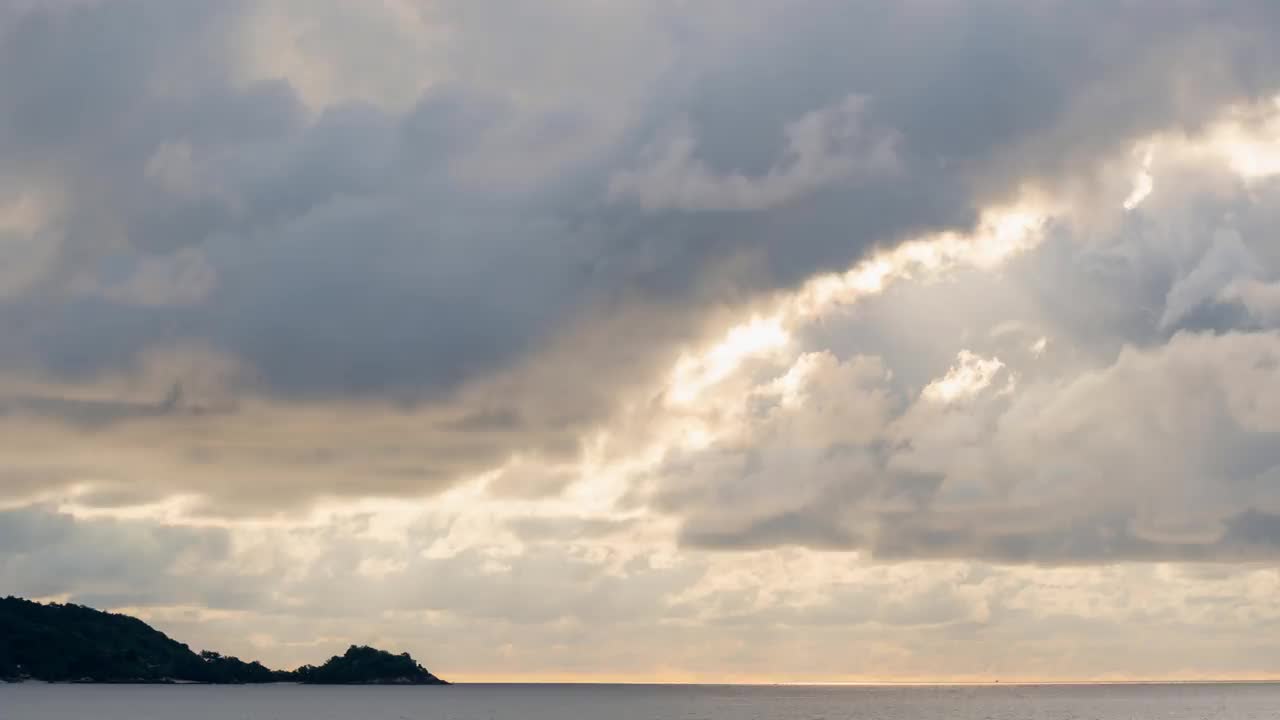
72 643
367 666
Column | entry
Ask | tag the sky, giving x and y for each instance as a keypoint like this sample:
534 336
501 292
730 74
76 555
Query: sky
667 340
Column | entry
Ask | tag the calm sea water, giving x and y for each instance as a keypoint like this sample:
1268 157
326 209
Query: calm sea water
638 702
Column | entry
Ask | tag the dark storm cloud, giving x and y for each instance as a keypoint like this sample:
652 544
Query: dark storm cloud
348 263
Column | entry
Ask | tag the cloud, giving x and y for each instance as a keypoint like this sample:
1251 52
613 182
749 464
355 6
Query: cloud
970 375
1226 260
113 563
1261 299
558 609
1073 471
356 221
1141 436
822 147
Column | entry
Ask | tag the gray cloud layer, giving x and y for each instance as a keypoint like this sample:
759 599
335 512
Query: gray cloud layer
500 260
349 259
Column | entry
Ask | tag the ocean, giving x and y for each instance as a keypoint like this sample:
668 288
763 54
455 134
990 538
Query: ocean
34 701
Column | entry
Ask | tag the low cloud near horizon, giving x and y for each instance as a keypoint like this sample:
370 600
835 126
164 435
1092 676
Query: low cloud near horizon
657 340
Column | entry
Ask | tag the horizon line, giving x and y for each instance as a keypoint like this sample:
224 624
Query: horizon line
1271 680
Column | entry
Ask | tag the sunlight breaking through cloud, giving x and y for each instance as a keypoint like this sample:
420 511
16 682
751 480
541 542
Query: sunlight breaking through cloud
999 235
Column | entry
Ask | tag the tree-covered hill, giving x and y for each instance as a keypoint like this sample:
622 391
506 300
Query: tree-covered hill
366 665
73 643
